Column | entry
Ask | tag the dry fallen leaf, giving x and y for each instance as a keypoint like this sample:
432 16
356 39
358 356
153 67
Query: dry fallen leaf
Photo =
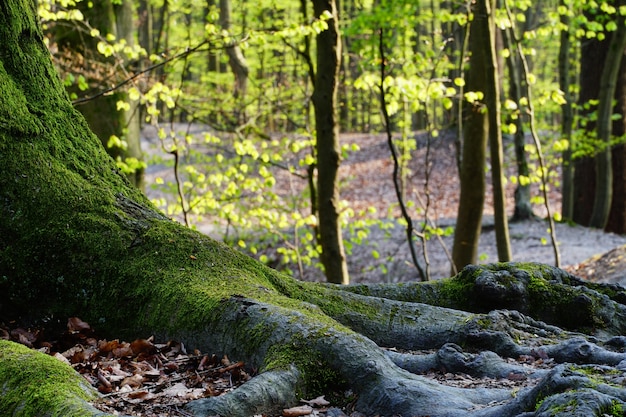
134 381
143 346
302 410
317 402
76 325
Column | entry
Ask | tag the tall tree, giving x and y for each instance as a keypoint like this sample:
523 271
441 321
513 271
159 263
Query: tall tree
327 148
523 208
75 237
482 122
236 60
593 175
567 115
617 216
603 165
492 100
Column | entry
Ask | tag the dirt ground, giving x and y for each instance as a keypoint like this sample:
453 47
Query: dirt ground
366 181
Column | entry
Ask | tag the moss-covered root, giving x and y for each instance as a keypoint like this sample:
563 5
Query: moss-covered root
568 391
263 394
329 358
33 384
540 291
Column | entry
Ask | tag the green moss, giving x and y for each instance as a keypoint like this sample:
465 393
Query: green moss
320 378
34 384
597 375
456 291
616 410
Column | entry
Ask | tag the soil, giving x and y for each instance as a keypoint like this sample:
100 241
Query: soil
383 256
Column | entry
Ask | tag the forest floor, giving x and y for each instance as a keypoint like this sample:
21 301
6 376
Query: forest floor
366 181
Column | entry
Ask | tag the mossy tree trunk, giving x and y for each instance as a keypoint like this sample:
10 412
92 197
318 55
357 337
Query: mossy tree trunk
76 238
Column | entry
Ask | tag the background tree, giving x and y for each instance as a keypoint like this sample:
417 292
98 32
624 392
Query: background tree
617 216
565 76
593 178
492 101
523 207
475 137
603 165
327 143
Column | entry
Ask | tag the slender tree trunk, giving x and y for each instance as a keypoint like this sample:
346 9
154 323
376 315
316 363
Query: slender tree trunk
593 53
523 209
475 135
603 164
125 27
328 150
236 60
145 32
492 97
617 215
567 114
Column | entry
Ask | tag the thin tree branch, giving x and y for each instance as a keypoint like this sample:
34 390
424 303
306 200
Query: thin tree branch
128 80
396 165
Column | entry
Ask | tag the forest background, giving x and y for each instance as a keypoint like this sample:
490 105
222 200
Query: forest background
228 88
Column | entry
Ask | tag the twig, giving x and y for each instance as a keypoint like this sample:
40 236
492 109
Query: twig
396 165
183 54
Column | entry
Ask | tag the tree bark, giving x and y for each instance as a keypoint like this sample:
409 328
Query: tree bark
567 115
236 60
328 149
472 175
76 238
492 98
604 172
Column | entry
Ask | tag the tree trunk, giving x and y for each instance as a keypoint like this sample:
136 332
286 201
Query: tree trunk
492 99
567 115
604 172
476 131
328 150
236 60
617 216
523 209
76 238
